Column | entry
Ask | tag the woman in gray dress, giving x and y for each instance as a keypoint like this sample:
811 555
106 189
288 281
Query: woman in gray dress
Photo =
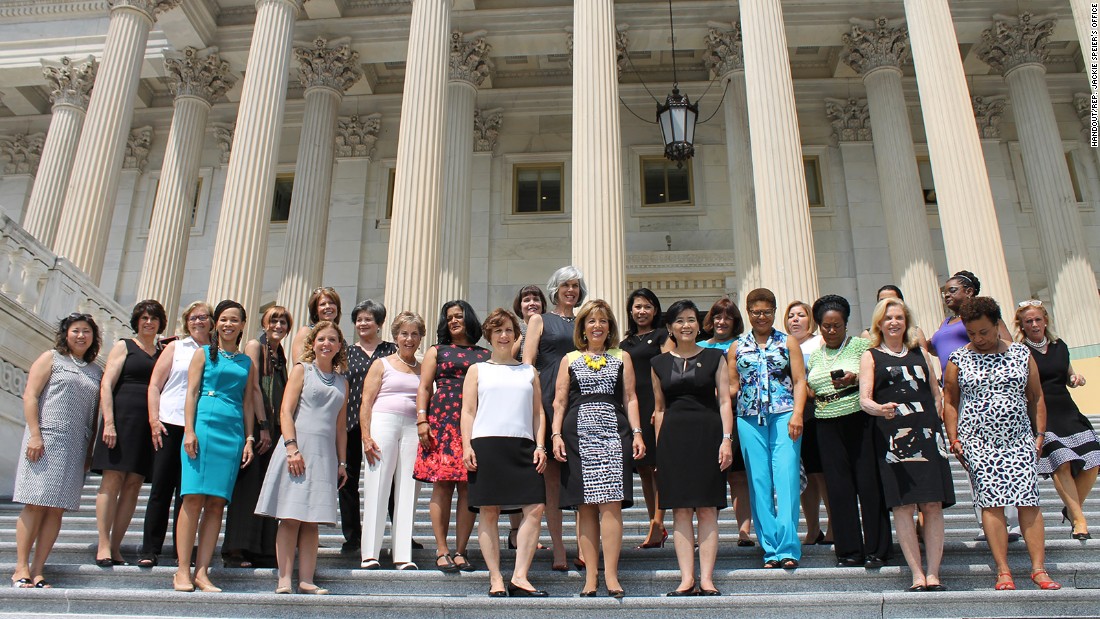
60 403
310 465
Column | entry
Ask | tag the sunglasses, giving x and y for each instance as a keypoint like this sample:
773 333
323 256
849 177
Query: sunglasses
1030 303
79 316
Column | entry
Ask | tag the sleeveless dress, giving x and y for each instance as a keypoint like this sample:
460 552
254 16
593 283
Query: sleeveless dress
998 446
642 349
133 451
219 427
555 342
66 419
691 432
597 437
912 453
950 337
310 497
444 461
1069 436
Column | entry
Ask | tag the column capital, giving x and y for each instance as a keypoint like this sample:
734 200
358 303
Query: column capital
470 60
873 44
22 152
487 125
70 83
988 112
328 64
850 118
137 148
356 135
1014 41
621 43
725 51
1082 104
223 133
151 8
198 73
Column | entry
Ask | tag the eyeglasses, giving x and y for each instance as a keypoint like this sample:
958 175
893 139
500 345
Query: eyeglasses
762 313
198 318
324 289
1030 303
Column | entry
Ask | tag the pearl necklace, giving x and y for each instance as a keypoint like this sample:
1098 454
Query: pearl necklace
825 352
410 365
79 364
886 349
1040 345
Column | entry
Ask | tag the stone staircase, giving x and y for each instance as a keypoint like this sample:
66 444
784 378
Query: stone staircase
815 589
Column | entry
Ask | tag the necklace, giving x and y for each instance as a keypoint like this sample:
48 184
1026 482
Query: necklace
228 355
411 365
825 351
328 379
565 318
886 349
79 364
1040 345
596 363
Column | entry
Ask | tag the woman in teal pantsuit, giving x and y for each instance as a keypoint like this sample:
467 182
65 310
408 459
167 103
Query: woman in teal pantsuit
218 417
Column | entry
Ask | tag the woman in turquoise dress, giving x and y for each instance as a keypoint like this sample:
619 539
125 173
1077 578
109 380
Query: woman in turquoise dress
218 418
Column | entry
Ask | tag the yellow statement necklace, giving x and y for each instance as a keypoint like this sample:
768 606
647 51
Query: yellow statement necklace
596 363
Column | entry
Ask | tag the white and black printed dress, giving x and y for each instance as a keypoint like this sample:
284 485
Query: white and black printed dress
998 445
599 461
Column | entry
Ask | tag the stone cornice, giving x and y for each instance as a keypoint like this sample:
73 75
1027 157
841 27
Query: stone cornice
328 64
871 45
70 84
850 118
357 135
138 144
487 125
46 9
470 60
198 73
988 112
151 8
1014 41
22 153
724 49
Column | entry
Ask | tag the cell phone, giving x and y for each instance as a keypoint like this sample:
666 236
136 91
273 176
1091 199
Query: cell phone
836 374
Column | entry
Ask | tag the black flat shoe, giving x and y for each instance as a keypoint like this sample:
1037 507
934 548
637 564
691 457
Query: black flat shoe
849 562
1082 536
817 540
498 594
935 587
917 588
873 563
465 566
746 543
682 592
588 594
709 592
519 592
105 562
618 594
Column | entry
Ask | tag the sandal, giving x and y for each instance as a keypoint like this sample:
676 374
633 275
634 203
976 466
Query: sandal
408 565
42 584
369 564
465 566
1008 585
147 561
22 583
788 563
448 567
771 564
1046 585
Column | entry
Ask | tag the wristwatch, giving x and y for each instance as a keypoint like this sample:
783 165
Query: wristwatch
728 437
636 430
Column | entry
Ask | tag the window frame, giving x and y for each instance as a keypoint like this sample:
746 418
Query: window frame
540 166
690 164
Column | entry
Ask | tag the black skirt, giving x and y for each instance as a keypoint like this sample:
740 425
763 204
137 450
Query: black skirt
505 475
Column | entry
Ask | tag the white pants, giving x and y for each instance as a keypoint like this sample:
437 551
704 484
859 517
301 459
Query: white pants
397 442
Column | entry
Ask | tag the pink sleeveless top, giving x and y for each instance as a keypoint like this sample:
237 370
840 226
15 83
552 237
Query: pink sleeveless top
397 395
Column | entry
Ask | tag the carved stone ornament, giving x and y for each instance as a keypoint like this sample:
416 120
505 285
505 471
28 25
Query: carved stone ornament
13 379
487 125
470 60
725 51
357 135
223 133
621 43
150 7
328 64
850 118
22 153
198 73
988 112
70 84
870 45
137 148
1082 104
1013 41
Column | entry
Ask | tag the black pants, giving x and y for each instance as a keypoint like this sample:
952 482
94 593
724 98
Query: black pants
351 523
851 475
165 489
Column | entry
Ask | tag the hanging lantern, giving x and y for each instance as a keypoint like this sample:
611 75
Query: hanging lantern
677 119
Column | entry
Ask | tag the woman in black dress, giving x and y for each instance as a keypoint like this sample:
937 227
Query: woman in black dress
693 415
644 339
899 389
1071 453
123 450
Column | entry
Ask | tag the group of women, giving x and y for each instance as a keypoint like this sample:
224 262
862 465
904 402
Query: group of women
558 413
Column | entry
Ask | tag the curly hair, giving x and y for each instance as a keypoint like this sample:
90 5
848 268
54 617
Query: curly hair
151 307
497 319
580 340
61 340
976 308
339 360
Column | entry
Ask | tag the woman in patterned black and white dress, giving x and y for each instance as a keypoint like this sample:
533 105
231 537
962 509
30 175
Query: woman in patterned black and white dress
595 414
992 398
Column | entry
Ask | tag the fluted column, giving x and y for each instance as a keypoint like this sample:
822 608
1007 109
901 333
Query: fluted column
788 265
241 246
876 51
1082 104
962 182
70 86
196 78
93 185
1017 47
469 66
412 266
725 58
327 69
597 195
1083 20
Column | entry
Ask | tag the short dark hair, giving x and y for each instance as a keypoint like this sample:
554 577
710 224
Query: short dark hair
315 301
832 303
891 288
678 308
376 310
498 318
760 295
470 322
968 280
648 295
151 307
61 340
978 307
727 307
529 289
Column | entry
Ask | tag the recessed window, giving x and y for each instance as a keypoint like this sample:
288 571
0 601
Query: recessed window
665 184
927 185
390 184
812 166
537 188
194 202
280 203
1077 195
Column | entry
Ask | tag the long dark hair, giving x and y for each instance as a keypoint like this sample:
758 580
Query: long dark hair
647 294
61 341
221 307
469 322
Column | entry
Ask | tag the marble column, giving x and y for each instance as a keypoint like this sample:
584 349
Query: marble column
469 66
962 182
876 50
412 265
597 232
196 78
1017 48
788 265
93 185
240 250
70 85
1087 19
327 69
725 59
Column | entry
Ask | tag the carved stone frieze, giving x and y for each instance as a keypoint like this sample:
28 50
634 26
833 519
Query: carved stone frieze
988 112
870 45
223 133
487 125
328 64
470 60
137 148
70 83
150 7
198 73
13 379
1013 41
22 153
357 135
725 51
850 118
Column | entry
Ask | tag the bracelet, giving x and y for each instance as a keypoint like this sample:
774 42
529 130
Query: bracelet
262 423
290 441
555 434
955 442
422 412
728 437
425 422
250 439
541 448
343 464
296 452
636 430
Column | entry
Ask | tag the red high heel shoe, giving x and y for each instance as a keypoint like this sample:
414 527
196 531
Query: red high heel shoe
1008 585
1048 584
660 544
